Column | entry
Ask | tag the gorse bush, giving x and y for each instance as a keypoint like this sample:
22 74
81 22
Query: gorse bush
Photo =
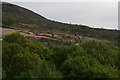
23 58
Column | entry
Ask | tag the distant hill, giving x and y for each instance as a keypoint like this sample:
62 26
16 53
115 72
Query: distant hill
14 16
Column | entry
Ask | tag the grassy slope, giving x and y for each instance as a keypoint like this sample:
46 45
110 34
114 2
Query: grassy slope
18 17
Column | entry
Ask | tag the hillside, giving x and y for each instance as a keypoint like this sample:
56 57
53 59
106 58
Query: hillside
34 47
20 18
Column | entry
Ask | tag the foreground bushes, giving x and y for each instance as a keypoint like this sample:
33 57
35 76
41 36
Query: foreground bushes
87 67
42 70
23 58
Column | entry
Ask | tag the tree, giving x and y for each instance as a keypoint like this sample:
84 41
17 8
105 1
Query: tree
106 53
16 58
61 53
37 48
42 70
15 38
87 67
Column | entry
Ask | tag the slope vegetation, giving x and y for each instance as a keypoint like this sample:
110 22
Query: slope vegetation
17 17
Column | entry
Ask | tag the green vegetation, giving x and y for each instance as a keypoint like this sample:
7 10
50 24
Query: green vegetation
23 58
42 70
17 17
15 53
21 55
9 21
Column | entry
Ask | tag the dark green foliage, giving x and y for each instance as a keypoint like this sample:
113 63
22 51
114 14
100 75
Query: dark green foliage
92 59
23 58
15 38
106 53
60 53
17 58
38 48
87 67
42 70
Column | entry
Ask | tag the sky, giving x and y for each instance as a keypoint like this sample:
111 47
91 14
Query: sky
94 14
61 0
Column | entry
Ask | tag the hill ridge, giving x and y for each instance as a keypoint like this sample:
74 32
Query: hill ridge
21 18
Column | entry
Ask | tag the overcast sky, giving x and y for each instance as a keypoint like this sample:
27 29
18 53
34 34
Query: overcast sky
61 0
97 14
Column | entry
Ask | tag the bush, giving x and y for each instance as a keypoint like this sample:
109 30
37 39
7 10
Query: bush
87 67
28 59
61 53
42 70
106 53
17 58
15 38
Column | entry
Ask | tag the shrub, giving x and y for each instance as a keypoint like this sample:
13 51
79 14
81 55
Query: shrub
87 67
17 58
42 70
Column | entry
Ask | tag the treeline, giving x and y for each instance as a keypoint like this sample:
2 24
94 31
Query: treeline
23 58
